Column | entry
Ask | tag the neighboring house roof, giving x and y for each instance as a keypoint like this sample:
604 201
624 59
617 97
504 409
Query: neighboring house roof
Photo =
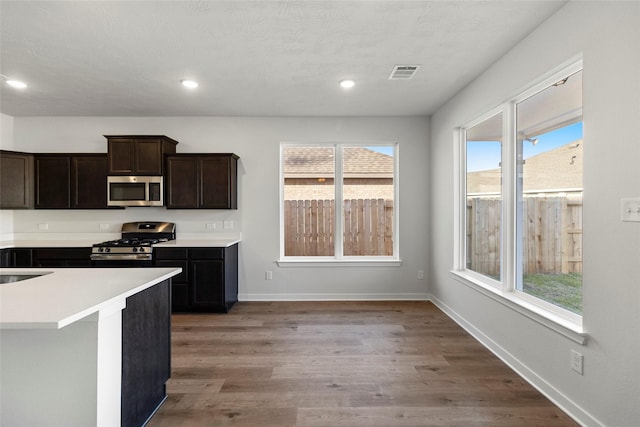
560 168
317 162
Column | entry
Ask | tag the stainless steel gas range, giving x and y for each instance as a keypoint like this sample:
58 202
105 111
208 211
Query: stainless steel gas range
135 247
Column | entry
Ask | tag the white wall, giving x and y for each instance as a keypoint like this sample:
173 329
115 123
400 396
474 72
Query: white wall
608 35
6 143
256 141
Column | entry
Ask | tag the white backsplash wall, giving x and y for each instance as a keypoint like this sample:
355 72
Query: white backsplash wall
78 224
6 224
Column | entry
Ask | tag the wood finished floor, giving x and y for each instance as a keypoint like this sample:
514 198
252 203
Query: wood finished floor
373 364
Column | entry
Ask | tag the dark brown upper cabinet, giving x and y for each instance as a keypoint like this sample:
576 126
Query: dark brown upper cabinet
89 182
53 181
16 180
138 154
71 181
202 181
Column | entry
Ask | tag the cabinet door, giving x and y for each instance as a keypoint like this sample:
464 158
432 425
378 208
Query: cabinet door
179 284
148 157
215 183
207 284
146 353
89 178
16 180
182 183
121 156
5 258
53 176
20 257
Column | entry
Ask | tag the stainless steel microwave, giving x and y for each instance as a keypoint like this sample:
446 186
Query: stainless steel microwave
134 191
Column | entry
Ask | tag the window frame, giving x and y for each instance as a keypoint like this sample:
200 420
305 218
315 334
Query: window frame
339 259
504 291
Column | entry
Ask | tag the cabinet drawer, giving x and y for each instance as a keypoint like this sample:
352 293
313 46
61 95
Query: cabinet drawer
63 254
170 253
206 253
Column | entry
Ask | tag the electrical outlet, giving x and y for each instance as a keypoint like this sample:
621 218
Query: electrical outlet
43 226
104 227
210 226
577 361
228 225
420 274
268 275
631 210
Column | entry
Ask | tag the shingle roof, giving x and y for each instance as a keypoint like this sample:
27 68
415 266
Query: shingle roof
304 162
560 168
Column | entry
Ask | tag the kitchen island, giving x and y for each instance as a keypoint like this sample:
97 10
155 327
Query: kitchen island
83 347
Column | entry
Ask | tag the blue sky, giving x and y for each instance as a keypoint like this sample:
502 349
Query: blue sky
386 149
483 155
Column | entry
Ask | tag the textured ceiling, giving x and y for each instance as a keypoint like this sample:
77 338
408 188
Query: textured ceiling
251 58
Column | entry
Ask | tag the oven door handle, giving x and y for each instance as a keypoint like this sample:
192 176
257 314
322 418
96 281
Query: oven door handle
123 257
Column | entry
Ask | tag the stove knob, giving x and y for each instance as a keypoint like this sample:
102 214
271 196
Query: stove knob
134 249
100 249
107 249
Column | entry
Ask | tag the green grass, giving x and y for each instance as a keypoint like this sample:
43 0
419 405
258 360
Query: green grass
563 290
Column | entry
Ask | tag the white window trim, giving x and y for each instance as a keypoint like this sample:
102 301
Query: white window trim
562 321
339 260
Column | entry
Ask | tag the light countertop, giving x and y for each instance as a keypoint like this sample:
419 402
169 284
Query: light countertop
86 243
198 243
67 295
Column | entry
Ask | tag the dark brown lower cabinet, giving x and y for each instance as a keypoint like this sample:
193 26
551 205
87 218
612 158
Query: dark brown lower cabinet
209 282
17 257
5 258
61 257
146 353
46 257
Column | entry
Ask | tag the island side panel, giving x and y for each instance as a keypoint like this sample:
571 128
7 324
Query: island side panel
146 353
51 377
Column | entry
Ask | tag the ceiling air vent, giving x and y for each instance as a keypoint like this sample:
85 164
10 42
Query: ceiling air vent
403 72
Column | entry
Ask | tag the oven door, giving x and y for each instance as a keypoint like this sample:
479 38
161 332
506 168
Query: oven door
121 260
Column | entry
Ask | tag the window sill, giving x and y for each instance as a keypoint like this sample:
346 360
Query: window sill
557 323
333 262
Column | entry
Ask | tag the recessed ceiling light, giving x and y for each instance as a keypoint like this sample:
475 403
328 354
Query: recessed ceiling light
191 84
347 84
17 84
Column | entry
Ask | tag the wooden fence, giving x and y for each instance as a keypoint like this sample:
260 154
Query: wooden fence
310 227
552 234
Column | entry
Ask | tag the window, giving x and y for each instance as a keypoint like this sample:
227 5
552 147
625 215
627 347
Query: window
484 197
548 193
520 206
332 190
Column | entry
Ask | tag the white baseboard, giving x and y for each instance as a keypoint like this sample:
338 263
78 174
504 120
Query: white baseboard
558 398
334 297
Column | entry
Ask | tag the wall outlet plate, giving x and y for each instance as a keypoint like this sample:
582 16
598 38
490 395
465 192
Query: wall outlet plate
631 210
577 361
